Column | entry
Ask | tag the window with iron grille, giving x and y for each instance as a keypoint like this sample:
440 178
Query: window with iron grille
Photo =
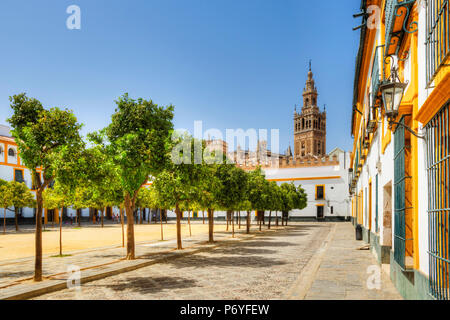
320 192
376 203
375 77
438 36
18 175
402 239
438 174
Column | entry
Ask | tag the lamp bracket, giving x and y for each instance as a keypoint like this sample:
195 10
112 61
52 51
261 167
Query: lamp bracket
391 122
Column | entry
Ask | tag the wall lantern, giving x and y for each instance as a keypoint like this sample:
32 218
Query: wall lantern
392 91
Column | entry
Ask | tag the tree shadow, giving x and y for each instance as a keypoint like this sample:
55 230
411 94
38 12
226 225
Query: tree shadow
19 274
147 285
242 251
237 261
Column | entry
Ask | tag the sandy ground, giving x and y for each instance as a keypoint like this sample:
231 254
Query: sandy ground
21 245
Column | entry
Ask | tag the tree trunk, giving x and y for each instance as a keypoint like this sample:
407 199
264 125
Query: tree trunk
4 220
160 220
178 213
203 214
102 213
270 218
276 219
60 234
248 222
38 237
141 217
130 228
232 224
189 222
16 217
165 215
261 219
227 217
79 217
211 225
239 219
121 221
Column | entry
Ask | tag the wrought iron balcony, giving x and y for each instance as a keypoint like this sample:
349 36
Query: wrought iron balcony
397 13
376 77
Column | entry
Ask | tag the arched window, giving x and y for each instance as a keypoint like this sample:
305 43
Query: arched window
11 152
1 150
303 124
314 101
306 102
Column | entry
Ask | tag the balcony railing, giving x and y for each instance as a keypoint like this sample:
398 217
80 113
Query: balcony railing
376 74
438 37
397 14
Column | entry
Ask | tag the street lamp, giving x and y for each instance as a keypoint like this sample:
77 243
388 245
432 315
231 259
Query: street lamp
392 92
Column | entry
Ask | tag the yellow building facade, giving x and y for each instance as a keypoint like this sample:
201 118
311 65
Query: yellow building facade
400 176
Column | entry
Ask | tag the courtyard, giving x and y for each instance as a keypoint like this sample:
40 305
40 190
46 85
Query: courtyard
299 261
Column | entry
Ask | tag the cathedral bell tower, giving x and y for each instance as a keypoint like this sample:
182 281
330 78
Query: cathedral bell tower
310 128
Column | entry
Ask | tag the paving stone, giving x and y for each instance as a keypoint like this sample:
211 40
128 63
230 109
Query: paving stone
264 267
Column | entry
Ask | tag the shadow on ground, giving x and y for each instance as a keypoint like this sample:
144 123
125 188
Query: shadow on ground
151 285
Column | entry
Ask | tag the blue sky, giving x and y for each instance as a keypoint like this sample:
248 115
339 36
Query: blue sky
230 63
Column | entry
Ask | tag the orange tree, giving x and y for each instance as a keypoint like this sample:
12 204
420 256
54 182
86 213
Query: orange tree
232 187
21 198
178 183
274 203
136 142
42 136
5 200
258 193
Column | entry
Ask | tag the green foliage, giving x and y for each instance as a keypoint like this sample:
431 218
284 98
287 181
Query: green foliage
5 195
275 196
180 182
302 198
292 197
43 135
147 198
98 184
54 198
21 196
258 193
232 187
137 140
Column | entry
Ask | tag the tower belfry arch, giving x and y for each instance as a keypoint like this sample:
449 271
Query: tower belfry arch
310 124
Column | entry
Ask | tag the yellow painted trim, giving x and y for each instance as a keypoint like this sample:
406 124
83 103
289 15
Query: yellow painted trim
320 205
323 186
305 179
434 103
18 169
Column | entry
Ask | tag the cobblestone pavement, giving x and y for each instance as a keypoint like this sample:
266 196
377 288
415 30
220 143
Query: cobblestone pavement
344 272
264 267
17 271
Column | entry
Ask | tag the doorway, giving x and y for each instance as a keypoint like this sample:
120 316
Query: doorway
387 215
320 212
